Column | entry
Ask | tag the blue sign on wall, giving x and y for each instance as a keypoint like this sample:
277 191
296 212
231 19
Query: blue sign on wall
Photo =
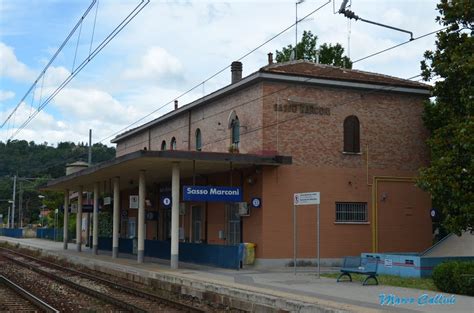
212 193
166 200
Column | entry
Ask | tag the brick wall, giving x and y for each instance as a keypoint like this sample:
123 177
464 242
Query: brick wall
213 121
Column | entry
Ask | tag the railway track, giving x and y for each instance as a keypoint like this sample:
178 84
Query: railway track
115 294
14 298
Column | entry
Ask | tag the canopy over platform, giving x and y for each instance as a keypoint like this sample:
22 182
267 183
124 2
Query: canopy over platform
158 166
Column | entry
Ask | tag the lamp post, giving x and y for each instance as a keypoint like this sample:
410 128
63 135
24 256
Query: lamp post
42 208
9 223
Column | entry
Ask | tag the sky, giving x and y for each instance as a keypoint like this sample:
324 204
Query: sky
167 49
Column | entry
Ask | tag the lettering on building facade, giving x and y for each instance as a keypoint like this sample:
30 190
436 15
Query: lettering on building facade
300 107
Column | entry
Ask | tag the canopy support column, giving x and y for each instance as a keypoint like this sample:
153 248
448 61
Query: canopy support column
116 218
175 216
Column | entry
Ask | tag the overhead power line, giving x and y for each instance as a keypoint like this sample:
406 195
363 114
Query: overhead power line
217 73
330 70
89 57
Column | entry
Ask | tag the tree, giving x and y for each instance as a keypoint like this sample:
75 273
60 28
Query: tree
306 50
449 117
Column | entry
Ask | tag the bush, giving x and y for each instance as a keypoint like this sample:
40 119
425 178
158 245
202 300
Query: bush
455 277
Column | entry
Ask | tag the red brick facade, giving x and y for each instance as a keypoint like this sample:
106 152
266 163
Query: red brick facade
304 118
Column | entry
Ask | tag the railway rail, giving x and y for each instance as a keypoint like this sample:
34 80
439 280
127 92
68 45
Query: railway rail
119 295
16 299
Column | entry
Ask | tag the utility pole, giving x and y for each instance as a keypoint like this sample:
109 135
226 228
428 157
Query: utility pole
296 27
89 161
9 220
90 148
20 205
13 204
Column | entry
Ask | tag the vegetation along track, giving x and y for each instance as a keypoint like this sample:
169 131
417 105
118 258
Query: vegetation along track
13 298
118 295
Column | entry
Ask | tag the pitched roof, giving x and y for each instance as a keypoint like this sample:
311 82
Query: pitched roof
310 69
291 72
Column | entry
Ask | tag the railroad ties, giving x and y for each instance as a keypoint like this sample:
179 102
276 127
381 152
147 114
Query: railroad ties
73 291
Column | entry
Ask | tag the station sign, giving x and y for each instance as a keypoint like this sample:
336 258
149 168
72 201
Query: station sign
212 193
306 198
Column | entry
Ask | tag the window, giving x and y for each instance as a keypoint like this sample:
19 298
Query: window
163 145
235 129
233 224
351 212
173 144
198 140
351 134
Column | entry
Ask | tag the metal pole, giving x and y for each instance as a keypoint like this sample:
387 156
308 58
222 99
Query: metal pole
20 204
9 220
294 239
319 260
90 148
13 204
296 30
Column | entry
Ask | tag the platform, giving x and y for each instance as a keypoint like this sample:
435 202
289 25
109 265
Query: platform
264 290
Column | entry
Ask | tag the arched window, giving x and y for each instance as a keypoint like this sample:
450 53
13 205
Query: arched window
173 144
198 140
351 134
235 129
163 145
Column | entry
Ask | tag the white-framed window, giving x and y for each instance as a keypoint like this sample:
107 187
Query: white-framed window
351 212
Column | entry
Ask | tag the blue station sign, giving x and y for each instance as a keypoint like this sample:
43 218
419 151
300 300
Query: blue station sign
212 193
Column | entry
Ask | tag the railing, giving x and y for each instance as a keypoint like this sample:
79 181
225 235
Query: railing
50 233
11 232
205 254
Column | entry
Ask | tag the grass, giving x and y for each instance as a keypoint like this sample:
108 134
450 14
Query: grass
388 280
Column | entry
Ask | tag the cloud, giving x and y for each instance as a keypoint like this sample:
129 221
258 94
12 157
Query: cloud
11 67
6 94
90 104
155 64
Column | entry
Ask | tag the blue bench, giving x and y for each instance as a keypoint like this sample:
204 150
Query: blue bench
357 265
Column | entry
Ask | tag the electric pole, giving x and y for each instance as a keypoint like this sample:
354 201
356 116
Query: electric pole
13 204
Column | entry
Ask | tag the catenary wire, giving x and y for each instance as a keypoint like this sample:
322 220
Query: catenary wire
50 62
91 56
215 74
330 70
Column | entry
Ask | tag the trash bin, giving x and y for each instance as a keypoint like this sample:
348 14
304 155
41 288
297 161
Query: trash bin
249 253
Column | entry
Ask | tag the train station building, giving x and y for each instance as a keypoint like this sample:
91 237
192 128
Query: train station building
196 182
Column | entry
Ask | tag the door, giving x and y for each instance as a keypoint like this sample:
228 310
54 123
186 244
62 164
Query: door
233 225
132 227
196 222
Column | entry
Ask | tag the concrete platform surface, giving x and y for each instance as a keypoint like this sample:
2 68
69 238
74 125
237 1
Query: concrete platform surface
269 288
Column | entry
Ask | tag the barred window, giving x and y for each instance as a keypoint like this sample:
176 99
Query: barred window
351 212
